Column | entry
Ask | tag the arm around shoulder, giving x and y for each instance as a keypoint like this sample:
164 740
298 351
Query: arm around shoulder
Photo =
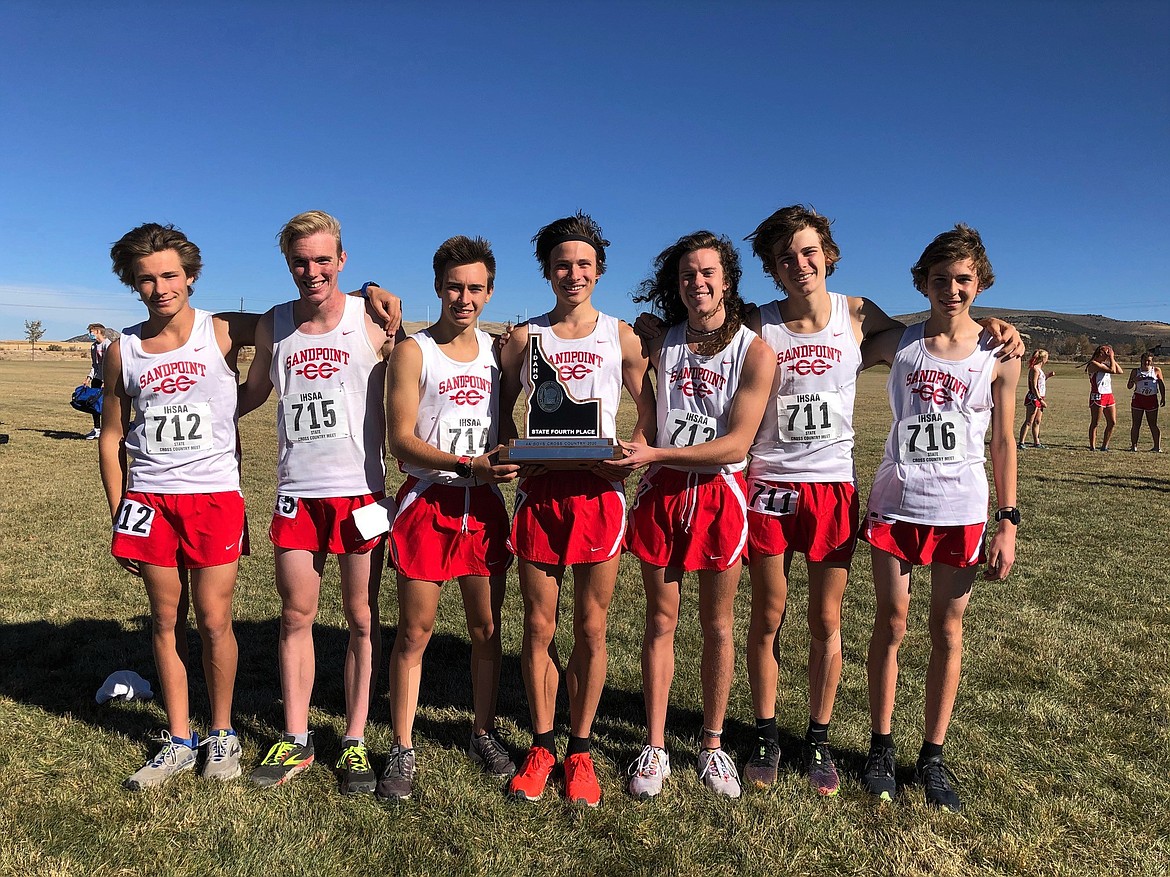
257 386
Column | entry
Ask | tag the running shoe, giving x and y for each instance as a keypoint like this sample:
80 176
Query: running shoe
879 772
1020 445
648 771
1040 447
355 776
581 786
822 773
938 781
94 433
717 772
284 761
763 766
174 758
397 780
489 751
529 783
223 756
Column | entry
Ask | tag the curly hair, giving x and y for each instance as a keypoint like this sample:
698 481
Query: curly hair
578 227
662 290
779 229
961 242
152 238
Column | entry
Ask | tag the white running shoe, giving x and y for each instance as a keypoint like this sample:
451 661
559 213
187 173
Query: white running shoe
717 772
174 758
648 771
93 434
223 756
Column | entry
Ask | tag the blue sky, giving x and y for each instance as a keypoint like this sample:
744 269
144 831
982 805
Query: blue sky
1046 125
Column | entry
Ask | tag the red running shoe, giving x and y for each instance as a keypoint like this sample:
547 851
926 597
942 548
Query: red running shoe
581 786
529 783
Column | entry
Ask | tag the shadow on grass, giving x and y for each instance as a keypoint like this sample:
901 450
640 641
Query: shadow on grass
58 434
1128 482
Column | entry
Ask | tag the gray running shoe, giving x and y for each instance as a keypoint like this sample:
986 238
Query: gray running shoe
822 772
397 780
764 764
938 782
174 758
284 761
355 776
879 773
648 771
489 751
223 756
717 772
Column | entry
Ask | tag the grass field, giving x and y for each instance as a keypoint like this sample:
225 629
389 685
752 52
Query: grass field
1060 739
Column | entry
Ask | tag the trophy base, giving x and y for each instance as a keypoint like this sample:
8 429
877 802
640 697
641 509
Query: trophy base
560 453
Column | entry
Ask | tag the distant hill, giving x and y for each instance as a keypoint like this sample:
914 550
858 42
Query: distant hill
492 328
1072 334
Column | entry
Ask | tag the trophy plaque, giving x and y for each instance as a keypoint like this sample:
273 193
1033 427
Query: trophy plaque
560 432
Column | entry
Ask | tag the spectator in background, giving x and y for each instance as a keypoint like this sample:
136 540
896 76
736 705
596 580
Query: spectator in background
1034 403
97 352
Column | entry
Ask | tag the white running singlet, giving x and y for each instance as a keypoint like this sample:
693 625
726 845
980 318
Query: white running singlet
1102 383
183 436
331 423
456 405
933 468
807 431
695 393
589 367
1146 383
1041 381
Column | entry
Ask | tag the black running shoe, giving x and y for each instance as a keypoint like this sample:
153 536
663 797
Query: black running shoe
354 774
762 767
879 772
937 779
397 780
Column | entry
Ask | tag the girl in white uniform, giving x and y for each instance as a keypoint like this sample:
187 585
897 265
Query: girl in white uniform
1034 403
928 505
1147 385
178 516
714 379
1101 368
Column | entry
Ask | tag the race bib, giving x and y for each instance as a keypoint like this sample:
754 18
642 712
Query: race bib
134 518
463 436
286 506
315 415
938 437
767 499
686 429
809 417
184 426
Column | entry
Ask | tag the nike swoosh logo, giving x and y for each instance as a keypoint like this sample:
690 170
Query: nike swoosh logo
197 349
350 332
838 334
973 370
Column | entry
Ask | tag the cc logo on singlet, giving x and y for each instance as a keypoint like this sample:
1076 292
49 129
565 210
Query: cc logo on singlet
574 372
180 384
931 393
322 370
811 366
467 397
695 389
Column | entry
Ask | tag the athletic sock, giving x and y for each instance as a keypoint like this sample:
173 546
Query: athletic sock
929 751
766 729
547 740
231 732
577 746
817 732
348 741
190 742
300 739
876 740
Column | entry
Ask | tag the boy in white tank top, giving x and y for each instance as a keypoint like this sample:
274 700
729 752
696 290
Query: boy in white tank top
174 492
571 518
928 505
326 355
443 406
714 378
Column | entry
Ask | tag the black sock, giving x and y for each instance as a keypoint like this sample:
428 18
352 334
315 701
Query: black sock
577 745
547 740
766 729
817 733
876 740
929 751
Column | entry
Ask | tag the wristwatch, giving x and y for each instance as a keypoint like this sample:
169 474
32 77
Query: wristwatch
366 288
463 469
1008 513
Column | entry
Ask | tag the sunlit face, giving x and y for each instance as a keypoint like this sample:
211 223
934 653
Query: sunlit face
701 283
801 268
162 282
572 269
951 287
314 263
464 292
